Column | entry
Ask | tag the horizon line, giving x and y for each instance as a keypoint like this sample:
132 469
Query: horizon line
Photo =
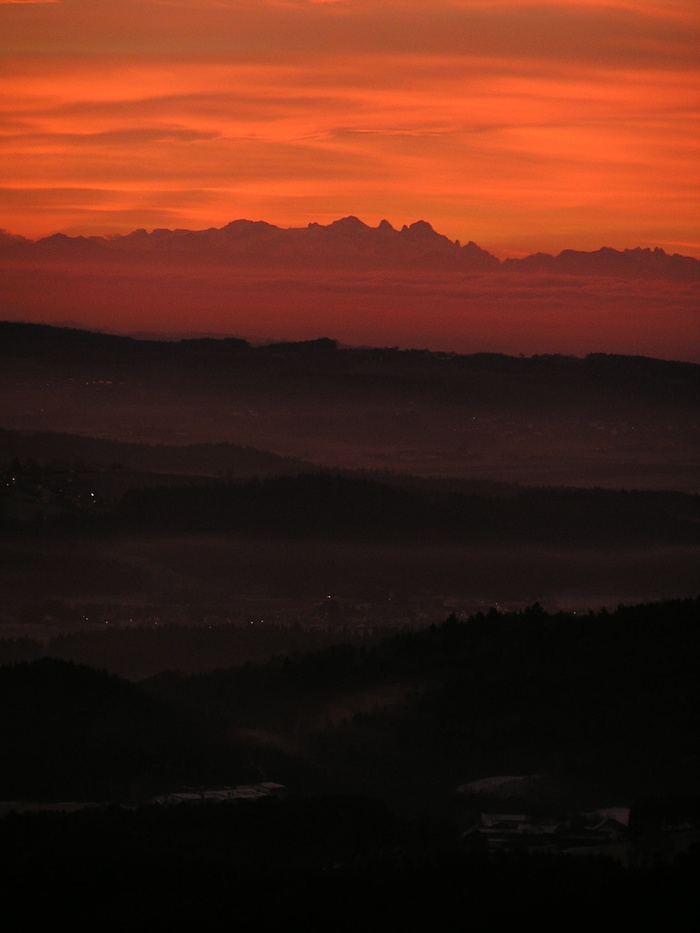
383 224
261 342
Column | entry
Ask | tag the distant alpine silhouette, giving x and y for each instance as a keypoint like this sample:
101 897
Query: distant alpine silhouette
345 242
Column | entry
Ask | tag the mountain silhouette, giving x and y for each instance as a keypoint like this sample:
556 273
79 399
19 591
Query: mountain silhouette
344 242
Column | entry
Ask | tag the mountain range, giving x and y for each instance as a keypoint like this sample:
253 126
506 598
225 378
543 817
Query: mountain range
345 242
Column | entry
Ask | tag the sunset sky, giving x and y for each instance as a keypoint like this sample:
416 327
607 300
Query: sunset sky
521 125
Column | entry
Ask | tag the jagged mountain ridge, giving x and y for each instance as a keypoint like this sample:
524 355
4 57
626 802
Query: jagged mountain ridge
347 241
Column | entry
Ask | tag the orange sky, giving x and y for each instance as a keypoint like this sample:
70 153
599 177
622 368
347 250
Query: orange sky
521 125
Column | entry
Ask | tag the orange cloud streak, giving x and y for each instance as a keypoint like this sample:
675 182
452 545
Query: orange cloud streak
522 126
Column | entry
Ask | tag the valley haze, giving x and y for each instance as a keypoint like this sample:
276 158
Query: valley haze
209 472
349 570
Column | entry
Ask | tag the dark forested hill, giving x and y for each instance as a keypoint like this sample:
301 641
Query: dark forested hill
603 703
69 732
601 420
69 450
333 506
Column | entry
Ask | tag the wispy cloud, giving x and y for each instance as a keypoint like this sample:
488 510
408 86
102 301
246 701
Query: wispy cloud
498 121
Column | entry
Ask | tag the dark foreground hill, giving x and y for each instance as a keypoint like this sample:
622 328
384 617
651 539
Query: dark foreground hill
319 863
69 732
373 833
602 703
